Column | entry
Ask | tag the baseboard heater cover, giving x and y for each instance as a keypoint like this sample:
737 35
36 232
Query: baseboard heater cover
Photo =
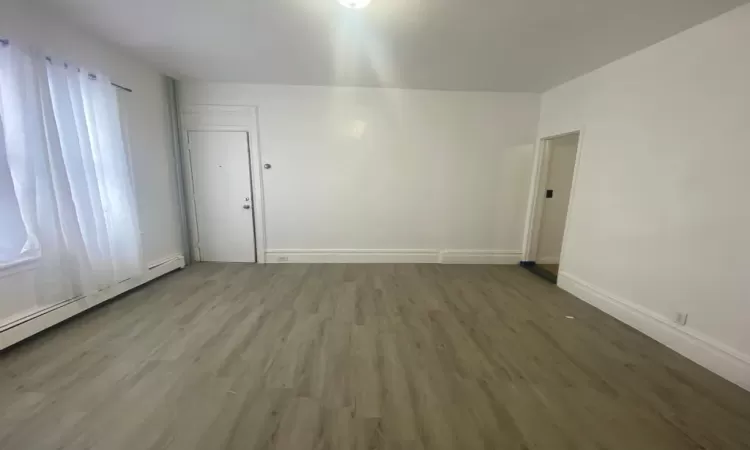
25 327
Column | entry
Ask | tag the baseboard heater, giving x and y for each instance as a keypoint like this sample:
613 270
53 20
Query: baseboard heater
24 327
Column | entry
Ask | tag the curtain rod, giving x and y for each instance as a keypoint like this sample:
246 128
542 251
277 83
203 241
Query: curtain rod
6 42
121 87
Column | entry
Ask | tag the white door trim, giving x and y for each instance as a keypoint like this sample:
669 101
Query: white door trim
197 118
536 197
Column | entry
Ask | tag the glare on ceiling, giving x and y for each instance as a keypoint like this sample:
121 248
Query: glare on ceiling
355 4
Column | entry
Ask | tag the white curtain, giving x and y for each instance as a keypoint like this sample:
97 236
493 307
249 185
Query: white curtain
63 148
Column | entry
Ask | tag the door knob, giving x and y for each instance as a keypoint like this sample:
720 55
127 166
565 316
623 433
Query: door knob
246 206
266 166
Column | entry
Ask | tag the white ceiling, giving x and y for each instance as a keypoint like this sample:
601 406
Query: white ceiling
494 45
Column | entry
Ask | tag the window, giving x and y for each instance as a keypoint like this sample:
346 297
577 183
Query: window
12 231
65 188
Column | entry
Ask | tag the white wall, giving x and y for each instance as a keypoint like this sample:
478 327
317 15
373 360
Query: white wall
148 126
388 169
562 161
660 213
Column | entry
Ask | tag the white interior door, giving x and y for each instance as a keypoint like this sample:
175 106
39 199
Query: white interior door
222 191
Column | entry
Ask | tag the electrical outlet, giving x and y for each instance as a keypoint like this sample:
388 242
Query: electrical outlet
681 318
283 259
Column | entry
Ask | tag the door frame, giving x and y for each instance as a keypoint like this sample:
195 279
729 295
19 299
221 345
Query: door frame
536 197
197 118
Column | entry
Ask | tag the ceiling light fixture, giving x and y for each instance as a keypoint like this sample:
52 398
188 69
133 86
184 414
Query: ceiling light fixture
355 4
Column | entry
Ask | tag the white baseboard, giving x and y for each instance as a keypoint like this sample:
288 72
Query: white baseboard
341 256
394 256
704 350
548 260
480 257
25 327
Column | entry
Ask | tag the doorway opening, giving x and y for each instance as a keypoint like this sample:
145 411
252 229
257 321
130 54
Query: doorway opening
549 209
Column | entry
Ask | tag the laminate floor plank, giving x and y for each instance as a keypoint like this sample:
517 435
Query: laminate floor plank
344 356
